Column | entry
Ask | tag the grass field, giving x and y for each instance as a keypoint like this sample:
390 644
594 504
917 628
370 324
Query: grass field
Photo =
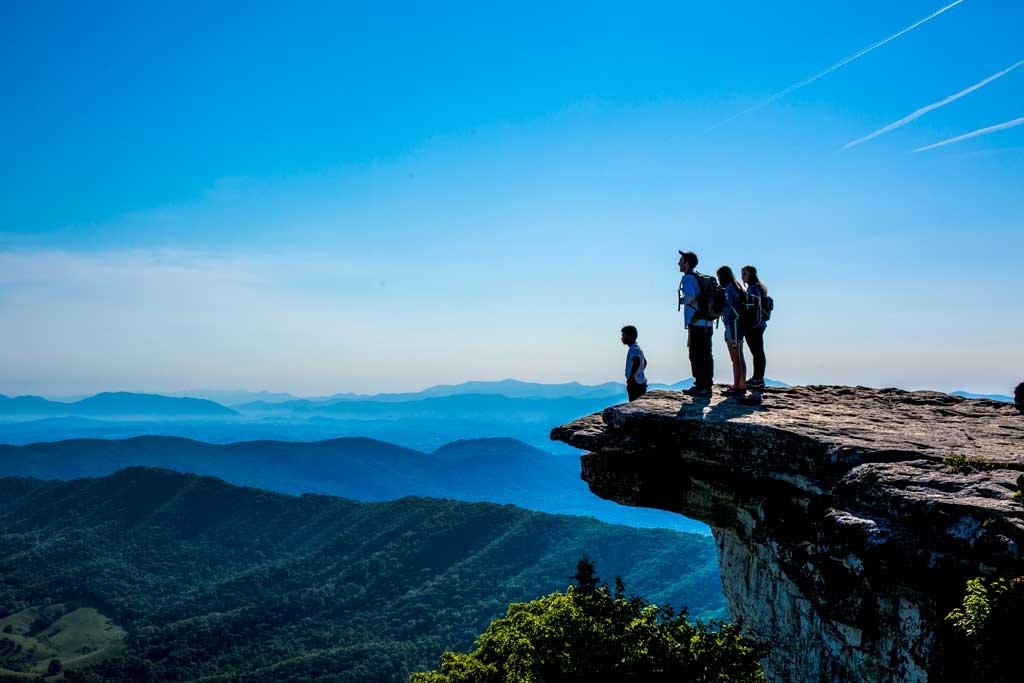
74 636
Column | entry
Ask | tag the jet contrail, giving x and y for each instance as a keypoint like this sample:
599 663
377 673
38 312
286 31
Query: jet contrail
918 113
974 134
837 65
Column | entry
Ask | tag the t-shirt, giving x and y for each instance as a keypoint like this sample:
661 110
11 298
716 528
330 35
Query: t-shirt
689 287
636 352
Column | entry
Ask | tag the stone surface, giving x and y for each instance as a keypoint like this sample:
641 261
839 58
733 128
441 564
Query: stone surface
843 536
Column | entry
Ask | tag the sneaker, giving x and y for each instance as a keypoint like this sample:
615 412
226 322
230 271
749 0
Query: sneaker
755 382
698 391
752 399
733 391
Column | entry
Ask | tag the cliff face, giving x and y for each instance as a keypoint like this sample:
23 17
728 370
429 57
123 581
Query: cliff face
843 536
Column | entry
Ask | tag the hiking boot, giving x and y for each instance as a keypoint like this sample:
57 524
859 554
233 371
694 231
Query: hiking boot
759 383
698 391
733 391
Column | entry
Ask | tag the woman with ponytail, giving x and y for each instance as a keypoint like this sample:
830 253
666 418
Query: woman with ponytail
754 334
733 333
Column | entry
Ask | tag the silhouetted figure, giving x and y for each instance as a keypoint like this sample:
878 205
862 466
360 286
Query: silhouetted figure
1018 397
698 327
757 295
734 293
636 363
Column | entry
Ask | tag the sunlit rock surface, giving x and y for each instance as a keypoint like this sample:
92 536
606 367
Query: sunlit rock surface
844 537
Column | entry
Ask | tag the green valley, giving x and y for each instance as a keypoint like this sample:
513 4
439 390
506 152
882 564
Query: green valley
222 583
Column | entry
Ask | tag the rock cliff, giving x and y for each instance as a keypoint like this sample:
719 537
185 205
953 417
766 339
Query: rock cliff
844 528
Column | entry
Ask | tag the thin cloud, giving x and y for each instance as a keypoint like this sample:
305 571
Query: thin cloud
974 134
918 113
838 65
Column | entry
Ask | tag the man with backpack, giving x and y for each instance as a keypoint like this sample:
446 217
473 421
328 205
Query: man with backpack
697 294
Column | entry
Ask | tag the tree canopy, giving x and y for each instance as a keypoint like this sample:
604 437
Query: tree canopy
592 632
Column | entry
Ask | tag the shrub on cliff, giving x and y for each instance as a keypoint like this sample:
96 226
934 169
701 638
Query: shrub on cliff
987 626
591 632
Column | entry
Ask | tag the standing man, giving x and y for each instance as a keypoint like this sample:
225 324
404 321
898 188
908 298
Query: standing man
699 328
636 363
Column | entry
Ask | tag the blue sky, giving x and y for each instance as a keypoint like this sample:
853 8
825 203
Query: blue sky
329 197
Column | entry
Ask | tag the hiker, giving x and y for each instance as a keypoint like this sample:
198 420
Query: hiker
698 326
734 293
1018 397
757 301
636 363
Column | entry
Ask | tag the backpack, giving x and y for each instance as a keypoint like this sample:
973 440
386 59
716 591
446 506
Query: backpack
754 310
711 299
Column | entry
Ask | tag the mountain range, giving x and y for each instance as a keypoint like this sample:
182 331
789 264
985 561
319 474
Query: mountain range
152 575
499 470
420 423
113 404
511 388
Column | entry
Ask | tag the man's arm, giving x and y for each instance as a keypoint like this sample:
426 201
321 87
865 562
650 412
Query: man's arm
633 370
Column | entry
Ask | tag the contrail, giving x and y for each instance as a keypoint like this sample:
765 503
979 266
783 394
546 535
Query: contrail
807 81
931 107
974 134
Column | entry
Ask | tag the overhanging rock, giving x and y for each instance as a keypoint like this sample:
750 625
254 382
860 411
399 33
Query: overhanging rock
844 533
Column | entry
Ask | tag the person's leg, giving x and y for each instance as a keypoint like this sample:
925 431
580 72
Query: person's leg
743 366
746 338
732 357
755 339
735 355
635 391
709 373
705 361
693 344
760 361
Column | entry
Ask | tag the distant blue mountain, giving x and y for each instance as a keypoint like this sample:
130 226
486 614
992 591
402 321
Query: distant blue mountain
991 397
496 470
234 397
451 405
509 388
27 405
512 388
414 420
113 404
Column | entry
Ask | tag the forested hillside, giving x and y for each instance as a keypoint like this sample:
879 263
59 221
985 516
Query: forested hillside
486 470
215 581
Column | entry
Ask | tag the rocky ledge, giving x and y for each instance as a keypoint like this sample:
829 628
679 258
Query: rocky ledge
847 519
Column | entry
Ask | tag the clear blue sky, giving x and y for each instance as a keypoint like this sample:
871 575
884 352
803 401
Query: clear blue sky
327 197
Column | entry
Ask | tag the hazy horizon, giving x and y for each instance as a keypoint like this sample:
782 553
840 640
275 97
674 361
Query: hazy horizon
352 199
200 392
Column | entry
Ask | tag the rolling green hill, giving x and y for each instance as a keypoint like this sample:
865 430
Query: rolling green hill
221 583
486 470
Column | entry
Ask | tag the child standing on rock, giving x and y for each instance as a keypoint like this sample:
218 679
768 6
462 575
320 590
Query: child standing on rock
636 363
